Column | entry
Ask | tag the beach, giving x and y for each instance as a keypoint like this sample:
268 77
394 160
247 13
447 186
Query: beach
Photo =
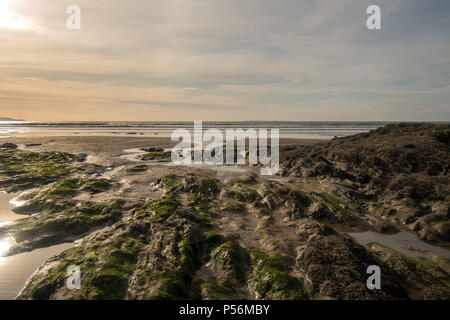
140 227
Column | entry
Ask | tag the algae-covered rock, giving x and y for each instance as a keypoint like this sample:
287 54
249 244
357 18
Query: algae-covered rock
48 228
242 192
58 197
156 155
230 262
139 258
337 267
424 278
191 183
270 280
106 262
21 170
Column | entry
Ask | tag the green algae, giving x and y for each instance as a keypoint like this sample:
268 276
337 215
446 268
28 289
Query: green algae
208 185
215 291
230 262
156 155
159 208
244 193
22 170
105 270
270 279
337 206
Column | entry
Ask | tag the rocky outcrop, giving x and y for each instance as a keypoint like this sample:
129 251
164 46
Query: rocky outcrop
400 172
337 266
22 170
8 145
58 218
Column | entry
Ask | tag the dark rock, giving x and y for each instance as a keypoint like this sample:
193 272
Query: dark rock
8 145
337 267
138 168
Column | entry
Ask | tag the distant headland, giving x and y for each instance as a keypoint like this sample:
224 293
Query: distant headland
10 119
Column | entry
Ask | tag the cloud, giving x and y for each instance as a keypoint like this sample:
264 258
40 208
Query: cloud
14 21
258 59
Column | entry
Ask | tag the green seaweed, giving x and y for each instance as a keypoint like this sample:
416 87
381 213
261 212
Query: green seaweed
336 205
243 193
230 261
156 155
159 208
215 291
271 281
208 185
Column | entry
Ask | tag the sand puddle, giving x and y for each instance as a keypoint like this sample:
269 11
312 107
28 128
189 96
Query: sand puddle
15 270
403 242
7 202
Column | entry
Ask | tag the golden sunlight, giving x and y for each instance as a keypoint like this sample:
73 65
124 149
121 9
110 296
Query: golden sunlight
13 20
6 244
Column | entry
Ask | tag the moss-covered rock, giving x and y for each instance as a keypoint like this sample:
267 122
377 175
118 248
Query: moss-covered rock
21 170
49 228
105 269
270 280
159 209
425 278
337 206
58 197
156 155
191 183
230 262
242 192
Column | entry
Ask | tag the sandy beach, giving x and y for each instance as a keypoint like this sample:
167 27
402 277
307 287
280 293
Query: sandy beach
154 230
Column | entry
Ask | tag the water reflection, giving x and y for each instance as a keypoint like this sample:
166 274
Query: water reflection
15 270
403 242
6 244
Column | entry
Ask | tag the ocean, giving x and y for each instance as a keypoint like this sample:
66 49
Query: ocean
304 130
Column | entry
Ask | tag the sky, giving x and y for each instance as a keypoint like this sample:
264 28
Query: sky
235 60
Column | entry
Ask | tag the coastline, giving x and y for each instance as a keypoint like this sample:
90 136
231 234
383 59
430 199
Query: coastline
245 213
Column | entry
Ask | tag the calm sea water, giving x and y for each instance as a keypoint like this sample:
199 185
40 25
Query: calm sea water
309 130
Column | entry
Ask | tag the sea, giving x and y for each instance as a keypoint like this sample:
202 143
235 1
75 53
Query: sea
298 130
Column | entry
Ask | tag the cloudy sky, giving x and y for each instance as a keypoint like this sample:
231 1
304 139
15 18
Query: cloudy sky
152 60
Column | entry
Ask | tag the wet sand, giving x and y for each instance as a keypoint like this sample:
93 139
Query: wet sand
6 215
15 270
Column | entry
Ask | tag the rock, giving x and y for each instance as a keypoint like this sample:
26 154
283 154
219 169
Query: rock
21 170
337 267
270 278
399 168
138 168
153 149
8 145
318 211
230 262
441 208
425 278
